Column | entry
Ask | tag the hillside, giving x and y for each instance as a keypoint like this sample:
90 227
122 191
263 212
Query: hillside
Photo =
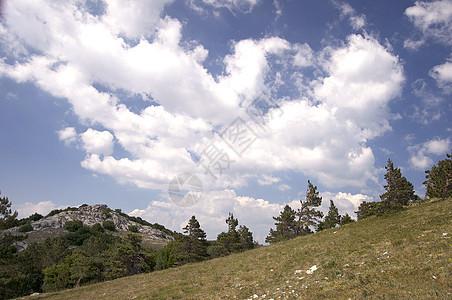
53 225
399 256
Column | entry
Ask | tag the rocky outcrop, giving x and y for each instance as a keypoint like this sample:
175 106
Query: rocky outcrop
89 215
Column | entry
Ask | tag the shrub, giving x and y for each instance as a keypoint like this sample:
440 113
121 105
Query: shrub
25 228
106 213
73 226
109 225
97 228
35 217
133 228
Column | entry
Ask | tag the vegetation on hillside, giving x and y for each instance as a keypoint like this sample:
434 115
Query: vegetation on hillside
403 255
93 254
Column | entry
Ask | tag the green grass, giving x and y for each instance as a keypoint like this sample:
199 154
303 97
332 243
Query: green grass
406 255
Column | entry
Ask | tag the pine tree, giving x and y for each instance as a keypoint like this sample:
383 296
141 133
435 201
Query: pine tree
191 247
308 216
286 226
439 179
246 238
346 219
399 191
7 217
229 242
333 218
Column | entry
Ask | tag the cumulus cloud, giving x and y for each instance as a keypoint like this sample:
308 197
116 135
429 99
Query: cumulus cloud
68 135
421 154
433 20
97 142
322 132
268 180
443 76
28 208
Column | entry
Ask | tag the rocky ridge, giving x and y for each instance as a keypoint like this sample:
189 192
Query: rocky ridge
89 215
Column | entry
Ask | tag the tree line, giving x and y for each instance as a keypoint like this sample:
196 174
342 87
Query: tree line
399 193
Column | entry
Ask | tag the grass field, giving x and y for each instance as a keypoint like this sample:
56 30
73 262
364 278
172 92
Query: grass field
406 255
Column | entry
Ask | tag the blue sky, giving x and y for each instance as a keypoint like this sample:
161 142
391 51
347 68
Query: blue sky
108 101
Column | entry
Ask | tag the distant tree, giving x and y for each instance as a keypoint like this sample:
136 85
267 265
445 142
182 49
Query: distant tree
439 179
286 226
346 219
191 247
399 191
308 216
233 240
333 218
366 209
246 238
7 217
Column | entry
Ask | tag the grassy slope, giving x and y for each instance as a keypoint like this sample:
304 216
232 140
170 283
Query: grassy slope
400 256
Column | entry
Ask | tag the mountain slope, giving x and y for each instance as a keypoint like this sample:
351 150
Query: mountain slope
399 256
53 225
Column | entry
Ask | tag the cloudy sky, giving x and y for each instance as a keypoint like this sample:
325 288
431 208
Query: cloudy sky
108 101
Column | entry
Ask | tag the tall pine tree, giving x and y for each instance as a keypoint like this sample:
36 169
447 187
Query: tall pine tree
399 191
308 216
192 246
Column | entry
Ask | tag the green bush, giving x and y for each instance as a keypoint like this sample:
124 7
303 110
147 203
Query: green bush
35 217
25 228
106 213
73 226
109 225
133 228
97 228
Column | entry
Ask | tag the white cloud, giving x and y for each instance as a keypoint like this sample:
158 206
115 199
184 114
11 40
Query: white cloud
322 133
284 187
133 18
68 135
419 153
364 77
433 19
437 146
356 21
241 6
26 209
97 142
268 180
443 76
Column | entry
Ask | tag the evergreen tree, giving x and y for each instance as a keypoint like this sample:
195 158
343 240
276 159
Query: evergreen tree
366 209
193 246
439 179
333 218
308 216
246 238
399 191
7 217
286 226
232 241
346 219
